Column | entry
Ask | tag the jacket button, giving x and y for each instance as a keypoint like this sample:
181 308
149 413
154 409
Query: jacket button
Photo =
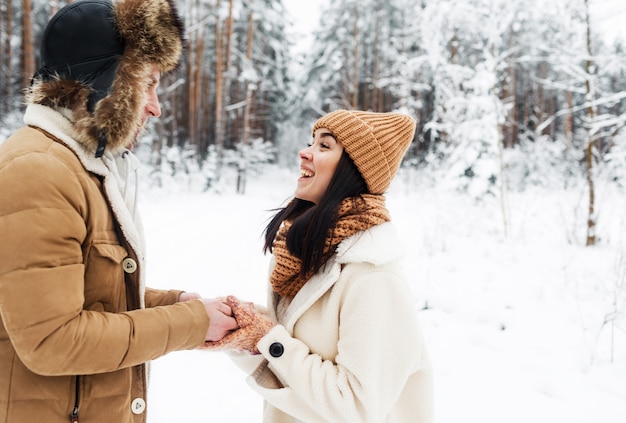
138 406
129 265
276 349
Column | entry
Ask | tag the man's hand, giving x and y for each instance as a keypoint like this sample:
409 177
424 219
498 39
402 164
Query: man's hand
221 321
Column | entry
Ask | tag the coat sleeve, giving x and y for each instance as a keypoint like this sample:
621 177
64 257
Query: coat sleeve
379 347
159 297
42 222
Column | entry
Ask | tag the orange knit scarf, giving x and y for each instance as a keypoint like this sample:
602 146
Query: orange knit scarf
355 215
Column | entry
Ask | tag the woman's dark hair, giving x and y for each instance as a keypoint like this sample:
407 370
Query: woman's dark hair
312 222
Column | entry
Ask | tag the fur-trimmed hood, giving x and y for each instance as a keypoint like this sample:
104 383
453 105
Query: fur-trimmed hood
137 35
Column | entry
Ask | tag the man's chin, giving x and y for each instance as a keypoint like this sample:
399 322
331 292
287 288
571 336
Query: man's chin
135 141
131 145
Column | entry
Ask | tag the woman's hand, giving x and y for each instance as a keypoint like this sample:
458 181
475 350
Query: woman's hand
253 325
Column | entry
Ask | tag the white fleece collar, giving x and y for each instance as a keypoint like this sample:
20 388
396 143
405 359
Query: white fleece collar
58 125
378 245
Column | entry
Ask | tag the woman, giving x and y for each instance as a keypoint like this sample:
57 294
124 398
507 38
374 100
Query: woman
340 341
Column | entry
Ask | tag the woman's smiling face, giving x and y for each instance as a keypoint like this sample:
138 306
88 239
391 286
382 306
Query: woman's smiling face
318 163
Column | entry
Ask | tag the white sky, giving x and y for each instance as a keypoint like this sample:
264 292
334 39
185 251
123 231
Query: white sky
610 17
305 17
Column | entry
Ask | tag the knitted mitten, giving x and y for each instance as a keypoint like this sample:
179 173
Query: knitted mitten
253 323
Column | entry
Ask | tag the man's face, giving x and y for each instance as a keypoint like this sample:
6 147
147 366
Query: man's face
151 106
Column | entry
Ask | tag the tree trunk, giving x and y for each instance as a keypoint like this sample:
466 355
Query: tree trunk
243 165
355 70
223 45
589 96
28 55
569 122
194 89
502 169
500 121
206 121
6 81
197 94
219 95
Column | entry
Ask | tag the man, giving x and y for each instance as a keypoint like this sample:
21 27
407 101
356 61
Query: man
77 322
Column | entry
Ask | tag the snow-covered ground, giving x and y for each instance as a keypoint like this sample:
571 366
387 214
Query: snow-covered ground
528 327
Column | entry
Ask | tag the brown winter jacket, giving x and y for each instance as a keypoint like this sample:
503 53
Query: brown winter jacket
74 331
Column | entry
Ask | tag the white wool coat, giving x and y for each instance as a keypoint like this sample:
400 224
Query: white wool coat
352 347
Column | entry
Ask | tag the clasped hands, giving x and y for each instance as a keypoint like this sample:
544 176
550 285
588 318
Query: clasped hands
242 333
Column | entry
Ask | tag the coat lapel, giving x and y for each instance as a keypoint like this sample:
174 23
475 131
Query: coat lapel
312 291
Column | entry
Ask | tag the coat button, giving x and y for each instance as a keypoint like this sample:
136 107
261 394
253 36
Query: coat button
138 406
276 349
129 265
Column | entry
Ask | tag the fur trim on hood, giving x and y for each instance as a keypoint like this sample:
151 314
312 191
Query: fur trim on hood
152 33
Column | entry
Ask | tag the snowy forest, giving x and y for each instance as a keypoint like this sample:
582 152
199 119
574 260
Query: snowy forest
505 93
510 200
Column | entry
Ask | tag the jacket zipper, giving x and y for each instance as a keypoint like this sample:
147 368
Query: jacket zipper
74 413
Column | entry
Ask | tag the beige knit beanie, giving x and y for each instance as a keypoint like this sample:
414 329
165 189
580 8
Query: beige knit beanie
375 142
